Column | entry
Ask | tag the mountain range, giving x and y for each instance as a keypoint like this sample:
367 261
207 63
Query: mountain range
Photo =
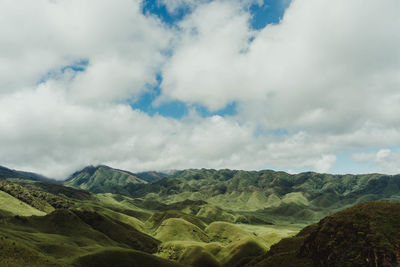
101 216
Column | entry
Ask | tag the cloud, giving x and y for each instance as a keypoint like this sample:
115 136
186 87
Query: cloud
123 47
325 163
327 67
47 133
327 76
386 160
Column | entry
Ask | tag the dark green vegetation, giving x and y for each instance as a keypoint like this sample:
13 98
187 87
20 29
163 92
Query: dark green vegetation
270 196
103 179
198 218
367 234
6 173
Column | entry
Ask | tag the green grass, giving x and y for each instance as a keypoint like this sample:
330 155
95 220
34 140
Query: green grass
179 229
103 179
226 233
198 256
157 219
15 254
366 234
17 207
118 257
242 252
200 218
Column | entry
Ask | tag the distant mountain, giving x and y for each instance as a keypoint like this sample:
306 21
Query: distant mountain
367 234
103 179
6 173
152 176
303 197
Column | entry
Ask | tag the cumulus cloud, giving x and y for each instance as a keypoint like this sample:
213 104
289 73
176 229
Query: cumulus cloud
327 74
325 67
124 48
325 163
45 132
387 160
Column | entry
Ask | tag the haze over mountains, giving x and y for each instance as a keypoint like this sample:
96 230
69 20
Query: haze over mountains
102 216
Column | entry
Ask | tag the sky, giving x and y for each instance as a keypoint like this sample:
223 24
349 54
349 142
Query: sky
301 85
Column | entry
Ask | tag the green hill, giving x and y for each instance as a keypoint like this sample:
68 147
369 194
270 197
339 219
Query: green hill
6 173
103 179
277 196
110 217
123 258
15 206
180 229
367 234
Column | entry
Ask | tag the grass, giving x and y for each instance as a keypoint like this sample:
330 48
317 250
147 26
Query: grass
14 254
198 256
179 229
118 257
226 233
200 218
366 234
17 207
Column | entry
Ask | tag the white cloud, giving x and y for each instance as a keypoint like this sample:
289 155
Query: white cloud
328 66
124 48
388 161
205 61
325 163
383 154
328 74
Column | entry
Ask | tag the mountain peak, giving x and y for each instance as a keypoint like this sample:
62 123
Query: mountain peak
103 179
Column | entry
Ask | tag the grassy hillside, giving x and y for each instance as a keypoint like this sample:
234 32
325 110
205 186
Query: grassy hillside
276 196
39 199
6 173
367 234
122 257
82 229
15 206
200 218
103 179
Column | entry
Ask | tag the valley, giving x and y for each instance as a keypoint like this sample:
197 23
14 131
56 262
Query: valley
102 216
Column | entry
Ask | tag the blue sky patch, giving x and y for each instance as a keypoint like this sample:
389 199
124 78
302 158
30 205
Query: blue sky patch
176 109
271 12
78 66
154 7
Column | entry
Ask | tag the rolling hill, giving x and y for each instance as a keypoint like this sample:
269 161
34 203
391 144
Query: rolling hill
199 218
273 196
366 234
103 179
6 173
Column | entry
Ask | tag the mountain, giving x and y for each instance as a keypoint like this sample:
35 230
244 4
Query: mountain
54 225
152 176
367 234
304 197
200 218
103 179
10 174
42 226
